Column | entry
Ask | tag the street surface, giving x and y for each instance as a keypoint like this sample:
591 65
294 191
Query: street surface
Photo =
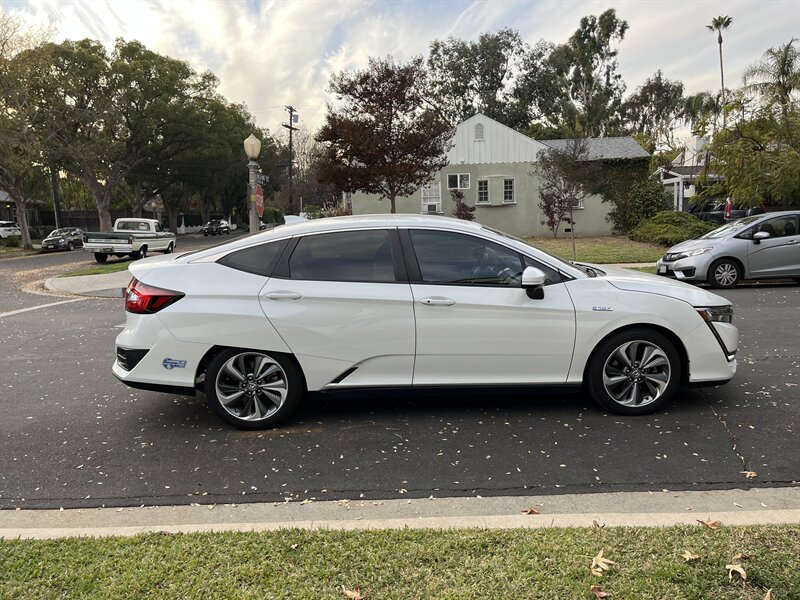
72 436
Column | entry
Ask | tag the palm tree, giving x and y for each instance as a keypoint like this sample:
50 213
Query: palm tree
776 75
719 24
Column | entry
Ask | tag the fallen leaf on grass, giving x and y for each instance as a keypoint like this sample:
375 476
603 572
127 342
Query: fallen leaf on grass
738 569
597 591
596 524
741 556
708 523
531 511
600 563
353 594
769 594
294 546
690 556
749 474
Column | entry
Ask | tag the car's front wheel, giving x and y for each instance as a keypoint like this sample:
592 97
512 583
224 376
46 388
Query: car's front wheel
100 257
70 245
634 372
252 389
169 249
724 273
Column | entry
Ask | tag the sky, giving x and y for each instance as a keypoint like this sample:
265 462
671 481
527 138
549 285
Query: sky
271 53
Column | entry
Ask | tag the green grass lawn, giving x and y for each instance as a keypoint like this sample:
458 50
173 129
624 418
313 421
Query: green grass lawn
609 249
112 267
517 563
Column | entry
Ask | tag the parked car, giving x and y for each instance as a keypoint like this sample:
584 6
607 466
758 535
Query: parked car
758 247
8 229
216 227
714 211
66 238
399 301
131 237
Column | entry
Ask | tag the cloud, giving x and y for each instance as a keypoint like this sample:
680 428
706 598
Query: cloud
272 53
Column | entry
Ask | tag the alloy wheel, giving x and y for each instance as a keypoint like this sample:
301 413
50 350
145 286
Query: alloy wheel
636 374
251 386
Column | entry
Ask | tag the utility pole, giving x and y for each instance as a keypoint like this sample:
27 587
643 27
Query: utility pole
293 118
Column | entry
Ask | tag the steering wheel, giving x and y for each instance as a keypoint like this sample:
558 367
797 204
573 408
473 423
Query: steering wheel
482 257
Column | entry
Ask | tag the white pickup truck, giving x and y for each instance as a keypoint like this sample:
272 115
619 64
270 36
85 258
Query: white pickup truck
131 237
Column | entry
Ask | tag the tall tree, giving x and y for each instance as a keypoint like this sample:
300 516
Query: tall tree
383 139
471 77
654 110
720 24
776 76
22 173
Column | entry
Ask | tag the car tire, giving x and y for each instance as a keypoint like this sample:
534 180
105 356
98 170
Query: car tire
70 246
100 257
205 234
634 372
234 394
169 249
724 273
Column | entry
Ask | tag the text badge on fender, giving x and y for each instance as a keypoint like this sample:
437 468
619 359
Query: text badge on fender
172 363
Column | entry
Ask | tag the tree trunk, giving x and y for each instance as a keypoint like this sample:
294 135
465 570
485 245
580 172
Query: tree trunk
102 201
205 208
172 215
392 208
22 222
722 83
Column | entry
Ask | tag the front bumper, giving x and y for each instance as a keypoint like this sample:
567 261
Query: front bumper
692 268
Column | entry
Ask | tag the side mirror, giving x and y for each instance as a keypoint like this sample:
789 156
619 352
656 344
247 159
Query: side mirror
760 235
533 282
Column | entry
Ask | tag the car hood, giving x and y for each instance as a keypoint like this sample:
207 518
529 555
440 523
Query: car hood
635 281
693 245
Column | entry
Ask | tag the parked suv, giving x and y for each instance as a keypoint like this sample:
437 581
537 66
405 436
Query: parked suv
758 247
9 228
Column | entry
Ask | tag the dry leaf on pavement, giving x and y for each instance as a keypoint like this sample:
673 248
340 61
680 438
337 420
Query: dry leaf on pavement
710 524
600 563
738 569
597 591
749 474
531 511
690 556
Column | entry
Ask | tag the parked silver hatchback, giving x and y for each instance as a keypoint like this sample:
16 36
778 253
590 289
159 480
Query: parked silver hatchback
758 247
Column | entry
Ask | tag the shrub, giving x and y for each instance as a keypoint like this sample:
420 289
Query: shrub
13 241
670 227
639 201
462 210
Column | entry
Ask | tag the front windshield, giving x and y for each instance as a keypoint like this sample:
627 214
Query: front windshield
730 228
558 260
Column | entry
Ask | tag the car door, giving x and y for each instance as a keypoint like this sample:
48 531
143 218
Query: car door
475 324
779 254
341 302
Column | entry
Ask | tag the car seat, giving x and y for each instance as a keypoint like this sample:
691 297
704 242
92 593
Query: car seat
789 228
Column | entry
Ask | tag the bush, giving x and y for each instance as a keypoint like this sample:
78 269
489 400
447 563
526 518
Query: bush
13 241
670 227
639 201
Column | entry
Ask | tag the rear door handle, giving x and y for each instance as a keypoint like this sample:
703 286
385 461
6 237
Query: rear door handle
792 242
437 301
283 295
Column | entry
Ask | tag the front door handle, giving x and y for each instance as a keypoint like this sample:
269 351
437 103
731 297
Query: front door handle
283 295
792 242
437 301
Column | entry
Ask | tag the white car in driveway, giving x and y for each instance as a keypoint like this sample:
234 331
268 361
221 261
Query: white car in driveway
390 301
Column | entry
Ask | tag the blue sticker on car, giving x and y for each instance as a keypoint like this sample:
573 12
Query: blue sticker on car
172 363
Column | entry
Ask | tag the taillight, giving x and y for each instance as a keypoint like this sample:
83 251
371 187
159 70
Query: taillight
144 299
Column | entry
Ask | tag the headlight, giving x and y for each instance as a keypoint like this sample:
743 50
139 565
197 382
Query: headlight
696 252
718 314
62 241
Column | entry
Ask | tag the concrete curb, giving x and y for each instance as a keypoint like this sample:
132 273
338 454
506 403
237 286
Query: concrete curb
110 285
759 506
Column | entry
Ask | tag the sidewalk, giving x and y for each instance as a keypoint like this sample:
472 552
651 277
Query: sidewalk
758 506
113 285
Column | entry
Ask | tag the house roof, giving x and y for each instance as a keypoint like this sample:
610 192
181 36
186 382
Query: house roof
608 148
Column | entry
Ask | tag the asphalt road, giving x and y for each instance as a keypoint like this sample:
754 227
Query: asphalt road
72 436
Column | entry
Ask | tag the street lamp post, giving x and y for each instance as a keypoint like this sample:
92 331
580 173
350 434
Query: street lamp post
252 147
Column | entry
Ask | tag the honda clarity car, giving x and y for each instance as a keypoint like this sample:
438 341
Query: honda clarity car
758 247
404 301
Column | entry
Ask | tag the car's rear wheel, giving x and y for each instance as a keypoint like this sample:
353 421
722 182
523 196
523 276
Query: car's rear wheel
169 249
142 253
252 389
724 273
634 372
100 257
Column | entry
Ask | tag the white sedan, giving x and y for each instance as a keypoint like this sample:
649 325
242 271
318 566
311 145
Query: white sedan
410 301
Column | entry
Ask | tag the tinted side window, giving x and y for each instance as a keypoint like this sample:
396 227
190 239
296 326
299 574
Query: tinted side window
553 276
259 260
364 256
455 258
779 226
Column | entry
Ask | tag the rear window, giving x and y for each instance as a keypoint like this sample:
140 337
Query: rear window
258 260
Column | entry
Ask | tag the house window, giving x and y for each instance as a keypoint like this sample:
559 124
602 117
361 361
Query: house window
479 132
458 181
508 191
578 204
431 198
483 191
